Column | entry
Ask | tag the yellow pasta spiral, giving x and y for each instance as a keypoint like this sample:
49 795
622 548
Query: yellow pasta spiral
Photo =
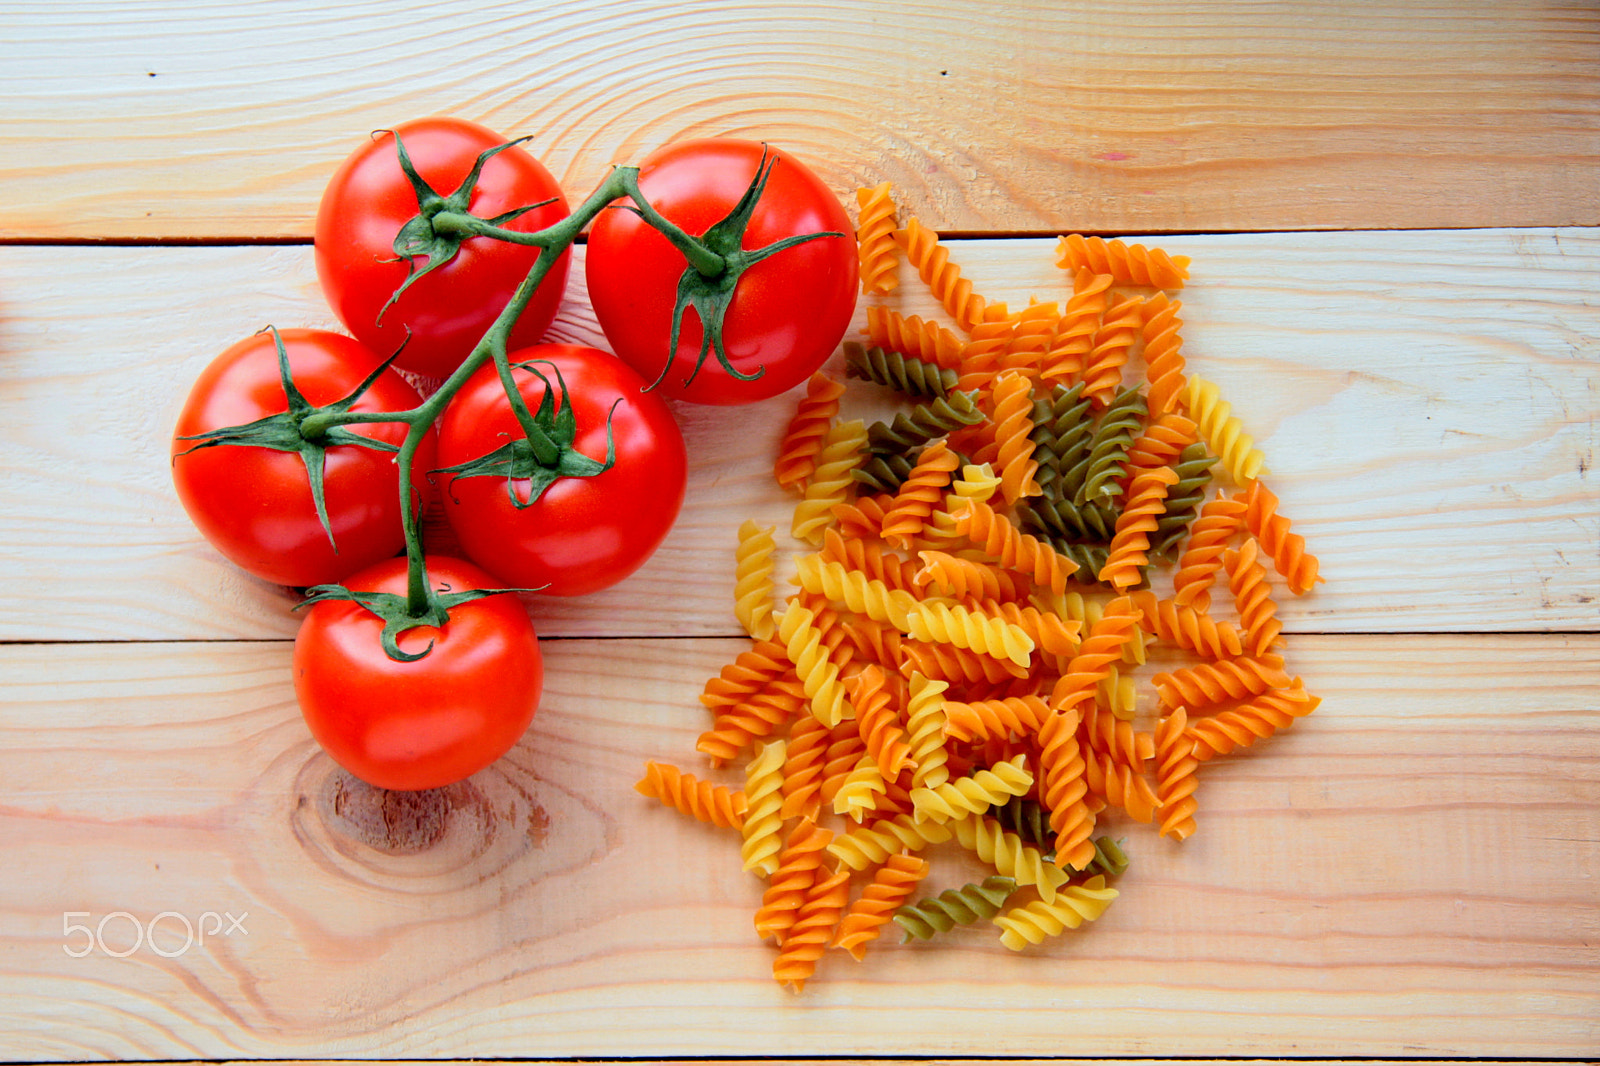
1222 431
925 724
953 624
763 817
854 590
1129 264
752 584
819 675
702 800
974 793
859 789
875 245
1008 854
830 482
1034 922
866 846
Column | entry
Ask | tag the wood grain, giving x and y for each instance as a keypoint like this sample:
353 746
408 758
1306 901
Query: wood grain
1429 404
136 121
1408 872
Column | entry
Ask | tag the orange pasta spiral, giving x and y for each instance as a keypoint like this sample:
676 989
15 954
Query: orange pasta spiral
1120 785
996 718
1247 580
803 765
1013 418
1108 353
1013 549
750 672
914 336
815 923
1068 353
1163 353
787 888
920 494
1216 524
758 715
1162 442
875 244
878 720
702 800
1147 502
1129 264
1033 332
1176 778
948 663
1186 627
943 278
1211 683
951 575
1063 785
867 556
1288 550
1100 649
891 885
1249 721
803 438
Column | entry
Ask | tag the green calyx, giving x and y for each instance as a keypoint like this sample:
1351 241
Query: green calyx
396 613
287 432
545 452
709 288
443 223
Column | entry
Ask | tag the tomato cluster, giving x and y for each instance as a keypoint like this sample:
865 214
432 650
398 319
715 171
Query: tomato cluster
307 458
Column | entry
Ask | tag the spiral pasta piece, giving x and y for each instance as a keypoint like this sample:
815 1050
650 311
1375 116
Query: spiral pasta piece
1288 550
866 846
1147 500
762 827
819 675
998 538
1186 627
1068 353
806 432
1049 632
1210 683
1245 723
759 715
858 790
891 885
805 762
1034 330
970 903
953 624
1103 645
750 672
1247 580
904 373
1176 775
948 663
1222 431
911 429
815 922
943 278
752 585
987 342
701 800
1184 501
923 490
1064 787
977 481
974 793
944 574
1008 854
988 719
1163 441
876 250
1128 264
842 451
1219 520
925 725
1013 417
1163 353
870 558
1108 353
1035 922
1106 462
798 865
913 336
878 721
1120 785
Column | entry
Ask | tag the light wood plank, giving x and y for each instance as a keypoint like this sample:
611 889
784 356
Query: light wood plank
147 120
1428 404
1408 872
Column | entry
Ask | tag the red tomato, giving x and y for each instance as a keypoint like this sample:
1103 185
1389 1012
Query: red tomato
254 504
789 310
584 533
432 721
448 310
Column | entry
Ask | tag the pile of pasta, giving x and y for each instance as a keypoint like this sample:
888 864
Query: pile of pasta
979 579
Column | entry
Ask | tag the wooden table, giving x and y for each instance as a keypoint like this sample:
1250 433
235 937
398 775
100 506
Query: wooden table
1391 211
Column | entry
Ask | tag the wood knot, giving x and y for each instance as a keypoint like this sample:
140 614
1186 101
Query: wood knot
397 823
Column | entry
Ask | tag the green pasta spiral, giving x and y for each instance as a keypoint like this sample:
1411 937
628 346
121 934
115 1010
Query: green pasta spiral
955 906
1183 500
1029 819
1109 859
1061 431
905 373
883 473
911 429
1108 450
1058 517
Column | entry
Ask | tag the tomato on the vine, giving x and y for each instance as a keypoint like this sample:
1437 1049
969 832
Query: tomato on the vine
433 720
589 527
787 312
257 504
460 286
